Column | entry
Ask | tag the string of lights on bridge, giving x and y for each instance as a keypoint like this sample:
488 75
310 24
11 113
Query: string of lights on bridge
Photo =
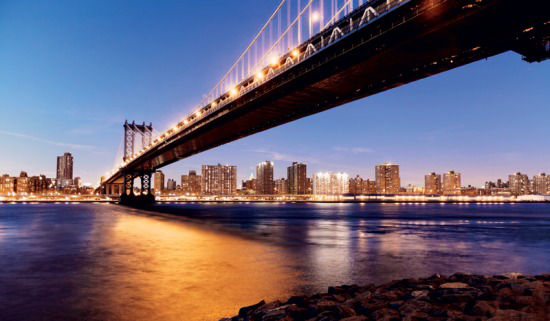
277 47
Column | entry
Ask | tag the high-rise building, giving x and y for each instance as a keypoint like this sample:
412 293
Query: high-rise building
297 178
158 184
264 178
171 184
387 179
519 184
191 184
330 183
451 183
432 184
281 186
64 170
219 180
541 184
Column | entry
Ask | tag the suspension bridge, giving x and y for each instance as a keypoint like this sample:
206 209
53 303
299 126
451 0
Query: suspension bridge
312 55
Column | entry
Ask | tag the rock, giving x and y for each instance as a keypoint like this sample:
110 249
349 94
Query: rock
484 308
543 277
461 296
273 315
245 310
512 275
511 315
355 318
386 314
419 293
454 285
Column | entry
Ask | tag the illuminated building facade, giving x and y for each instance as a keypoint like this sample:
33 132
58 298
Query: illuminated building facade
325 183
519 184
158 182
191 183
64 170
387 179
281 186
219 180
541 184
432 184
451 183
264 178
297 178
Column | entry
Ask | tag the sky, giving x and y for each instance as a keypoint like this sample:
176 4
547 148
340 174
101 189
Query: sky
71 73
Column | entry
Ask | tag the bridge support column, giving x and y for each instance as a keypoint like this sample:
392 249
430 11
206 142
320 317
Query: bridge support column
144 197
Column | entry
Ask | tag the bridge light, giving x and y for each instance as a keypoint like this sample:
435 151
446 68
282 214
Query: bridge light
260 75
185 121
213 104
295 53
274 60
198 113
315 16
233 91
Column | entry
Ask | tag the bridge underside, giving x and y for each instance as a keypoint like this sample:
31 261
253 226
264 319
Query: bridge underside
417 40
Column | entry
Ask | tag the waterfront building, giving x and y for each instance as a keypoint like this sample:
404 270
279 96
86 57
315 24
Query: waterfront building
451 183
432 184
171 184
7 184
325 183
219 179
387 179
158 182
191 183
64 170
281 186
541 184
309 186
297 178
369 187
358 185
355 185
519 184
264 178
23 184
249 185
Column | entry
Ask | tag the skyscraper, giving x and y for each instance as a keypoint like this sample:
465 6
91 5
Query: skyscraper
158 182
387 179
64 170
432 184
541 184
519 184
264 178
219 180
451 183
297 178
330 183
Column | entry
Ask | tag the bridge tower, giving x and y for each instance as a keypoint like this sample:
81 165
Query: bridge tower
131 130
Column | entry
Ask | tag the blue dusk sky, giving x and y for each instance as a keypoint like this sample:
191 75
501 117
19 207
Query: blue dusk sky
71 73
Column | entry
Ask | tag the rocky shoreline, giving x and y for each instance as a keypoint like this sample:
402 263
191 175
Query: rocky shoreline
461 296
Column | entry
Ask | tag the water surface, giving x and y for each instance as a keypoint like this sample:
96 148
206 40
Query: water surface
204 261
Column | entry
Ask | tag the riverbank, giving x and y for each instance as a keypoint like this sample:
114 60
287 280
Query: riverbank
461 296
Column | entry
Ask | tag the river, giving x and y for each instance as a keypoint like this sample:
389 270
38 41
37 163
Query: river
205 261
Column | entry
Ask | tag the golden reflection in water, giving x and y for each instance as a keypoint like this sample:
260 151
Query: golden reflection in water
176 271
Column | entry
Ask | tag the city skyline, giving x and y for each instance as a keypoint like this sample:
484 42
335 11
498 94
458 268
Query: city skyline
435 127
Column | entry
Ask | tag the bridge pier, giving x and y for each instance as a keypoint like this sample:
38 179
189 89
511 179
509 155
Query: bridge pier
144 197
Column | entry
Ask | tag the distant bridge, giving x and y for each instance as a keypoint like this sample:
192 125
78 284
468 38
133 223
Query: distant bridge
318 54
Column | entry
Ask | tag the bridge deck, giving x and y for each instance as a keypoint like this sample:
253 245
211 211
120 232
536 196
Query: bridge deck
416 40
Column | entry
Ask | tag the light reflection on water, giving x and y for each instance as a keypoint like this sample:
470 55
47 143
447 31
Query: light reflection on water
99 261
